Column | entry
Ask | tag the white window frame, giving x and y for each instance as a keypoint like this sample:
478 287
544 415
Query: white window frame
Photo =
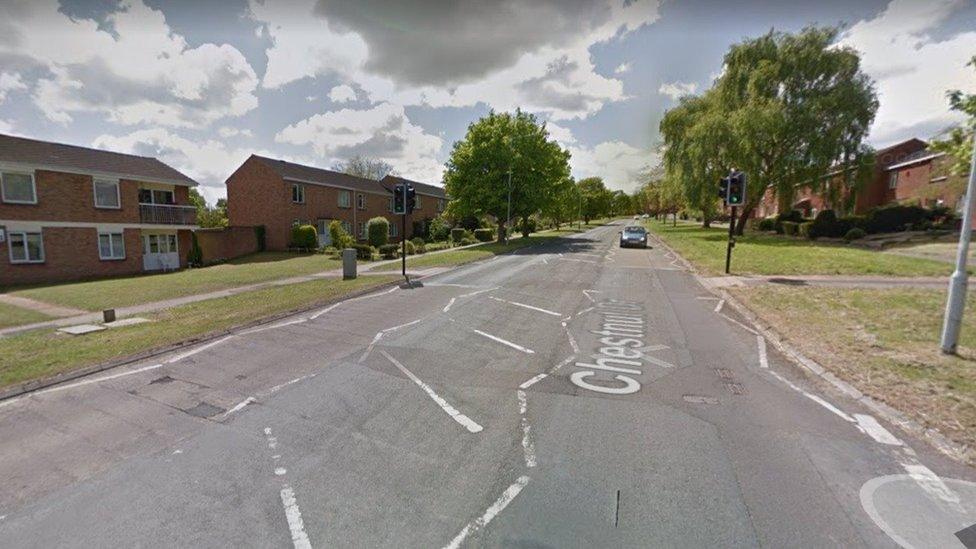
118 193
893 180
301 193
417 203
389 205
3 190
361 201
347 195
440 204
23 235
347 226
111 244
393 230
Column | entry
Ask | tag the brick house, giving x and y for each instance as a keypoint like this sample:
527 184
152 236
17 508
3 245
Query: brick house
70 212
279 194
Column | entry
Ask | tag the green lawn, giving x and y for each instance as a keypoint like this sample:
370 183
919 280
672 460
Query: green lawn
778 255
96 295
466 255
11 315
886 343
43 353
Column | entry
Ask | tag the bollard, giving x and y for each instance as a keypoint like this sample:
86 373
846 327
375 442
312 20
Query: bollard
108 315
348 264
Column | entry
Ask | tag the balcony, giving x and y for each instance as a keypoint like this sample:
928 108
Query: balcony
167 214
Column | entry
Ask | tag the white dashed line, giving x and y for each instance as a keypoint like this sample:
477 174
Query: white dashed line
449 303
763 359
500 504
395 328
528 448
275 326
875 430
572 340
237 408
535 379
515 346
294 517
584 311
734 321
457 416
588 296
719 305
199 349
524 306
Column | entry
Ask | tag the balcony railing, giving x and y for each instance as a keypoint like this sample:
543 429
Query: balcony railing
168 215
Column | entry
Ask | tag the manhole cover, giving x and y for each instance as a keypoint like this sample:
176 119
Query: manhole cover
205 410
700 399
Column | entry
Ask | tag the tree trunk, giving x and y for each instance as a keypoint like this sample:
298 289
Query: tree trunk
740 225
501 231
706 223
675 219
525 227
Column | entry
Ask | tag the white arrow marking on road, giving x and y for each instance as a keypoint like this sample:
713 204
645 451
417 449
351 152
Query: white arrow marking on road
504 342
523 305
457 416
500 504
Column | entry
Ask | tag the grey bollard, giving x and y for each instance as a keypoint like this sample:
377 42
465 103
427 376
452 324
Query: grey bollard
348 263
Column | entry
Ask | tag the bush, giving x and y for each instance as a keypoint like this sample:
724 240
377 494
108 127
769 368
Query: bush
856 233
411 249
439 229
389 251
457 234
766 224
340 238
789 227
419 245
304 237
194 258
434 246
484 235
804 229
363 251
827 225
890 219
527 226
793 216
378 231
467 241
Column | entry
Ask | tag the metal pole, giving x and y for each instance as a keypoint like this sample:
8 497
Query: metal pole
508 221
403 239
958 282
579 221
728 250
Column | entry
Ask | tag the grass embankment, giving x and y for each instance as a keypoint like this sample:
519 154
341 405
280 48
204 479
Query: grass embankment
466 255
764 254
11 315
109 293
43 353
885 342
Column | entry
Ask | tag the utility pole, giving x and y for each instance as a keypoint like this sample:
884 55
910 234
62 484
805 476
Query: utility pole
958 282
508 221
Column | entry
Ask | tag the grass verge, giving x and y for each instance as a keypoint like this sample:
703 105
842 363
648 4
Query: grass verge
11 315
885 342
96 295
43 353
466 255
763 254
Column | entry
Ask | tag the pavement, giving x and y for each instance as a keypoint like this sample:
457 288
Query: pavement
570 394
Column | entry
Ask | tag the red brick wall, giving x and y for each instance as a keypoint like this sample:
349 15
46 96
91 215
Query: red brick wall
227 243
911 179
71 254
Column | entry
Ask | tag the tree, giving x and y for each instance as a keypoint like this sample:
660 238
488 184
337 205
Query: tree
497 149
620 203
366 167
563 205
378 231
208 217
958 143
595 198
797 105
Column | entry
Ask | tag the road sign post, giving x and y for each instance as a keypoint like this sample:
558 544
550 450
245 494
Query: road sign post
959 281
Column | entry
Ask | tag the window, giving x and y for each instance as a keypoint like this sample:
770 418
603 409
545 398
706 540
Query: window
298 194
156 196
161 244
26 247
440 204
893 180
361 201
345 200
393 229
346 226
416 202
362 230
18 188
107 194
111 246
389 205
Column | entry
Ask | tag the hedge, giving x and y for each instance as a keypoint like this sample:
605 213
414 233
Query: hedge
484 235
304 237
457 234
789 227
363 251
389 251
378 231
419 245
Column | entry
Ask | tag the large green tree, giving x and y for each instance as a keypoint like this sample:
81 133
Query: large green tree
958 143
563 205
498 149
595 198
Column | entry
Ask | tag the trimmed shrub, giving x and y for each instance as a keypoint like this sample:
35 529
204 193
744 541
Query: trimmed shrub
457 234
527 226
419 245
890 219
378 231
340 238
411 249
363 251
826 224
484 235
856 233
304 237
389 251
793 216
439 229
766 224
470 222
789 227
467 241
804 229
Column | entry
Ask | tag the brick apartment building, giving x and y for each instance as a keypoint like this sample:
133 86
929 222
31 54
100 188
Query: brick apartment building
279 194
70 212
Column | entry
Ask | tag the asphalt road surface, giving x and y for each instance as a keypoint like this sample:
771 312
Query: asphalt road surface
569 395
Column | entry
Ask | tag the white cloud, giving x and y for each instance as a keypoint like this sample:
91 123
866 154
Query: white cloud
10 81
541 68
618 163
143 73
622 68
913 70
228 131
675 90
6 127
382 132
342 94
562 135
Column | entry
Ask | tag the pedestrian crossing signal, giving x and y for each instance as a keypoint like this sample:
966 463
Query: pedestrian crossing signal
737 189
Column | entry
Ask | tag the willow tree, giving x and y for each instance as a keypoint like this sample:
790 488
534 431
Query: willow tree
797 104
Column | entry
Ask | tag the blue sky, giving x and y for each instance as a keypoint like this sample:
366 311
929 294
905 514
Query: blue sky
204 84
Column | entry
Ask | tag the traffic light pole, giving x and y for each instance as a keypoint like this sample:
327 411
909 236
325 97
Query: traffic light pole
403 246
728 250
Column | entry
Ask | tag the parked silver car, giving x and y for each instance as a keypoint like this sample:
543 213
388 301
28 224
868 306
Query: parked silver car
633 235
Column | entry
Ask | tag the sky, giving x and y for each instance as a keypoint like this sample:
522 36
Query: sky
202 85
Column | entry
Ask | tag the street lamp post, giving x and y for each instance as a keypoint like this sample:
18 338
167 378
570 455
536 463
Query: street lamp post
508 220
959 280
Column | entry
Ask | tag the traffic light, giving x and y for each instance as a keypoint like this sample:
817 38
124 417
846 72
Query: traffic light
723 188
737 189
400 199
411 198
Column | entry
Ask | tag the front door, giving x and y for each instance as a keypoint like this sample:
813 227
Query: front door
325 237
160 252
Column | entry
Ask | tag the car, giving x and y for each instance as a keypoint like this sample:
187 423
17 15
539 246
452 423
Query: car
645 216
633 235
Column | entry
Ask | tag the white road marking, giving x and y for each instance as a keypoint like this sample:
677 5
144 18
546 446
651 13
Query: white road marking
537 378
369 348
707 297
277 388
763 360
457 416
275 326
931 483
238 407
572 340
294 517
78 384
515 346
833 409
586 310
449 303
734 321
478 292
586 254
718 307
199 349
588 296
395 328
323 311
528 448
875 430
500 504
579 260
523 305
280 471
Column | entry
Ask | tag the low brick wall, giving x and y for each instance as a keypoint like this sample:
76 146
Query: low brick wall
227 243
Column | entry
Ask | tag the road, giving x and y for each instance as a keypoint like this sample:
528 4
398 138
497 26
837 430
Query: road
569 395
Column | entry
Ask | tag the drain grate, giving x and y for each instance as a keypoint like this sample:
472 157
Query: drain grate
700 399
735 388
205 410
724 373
